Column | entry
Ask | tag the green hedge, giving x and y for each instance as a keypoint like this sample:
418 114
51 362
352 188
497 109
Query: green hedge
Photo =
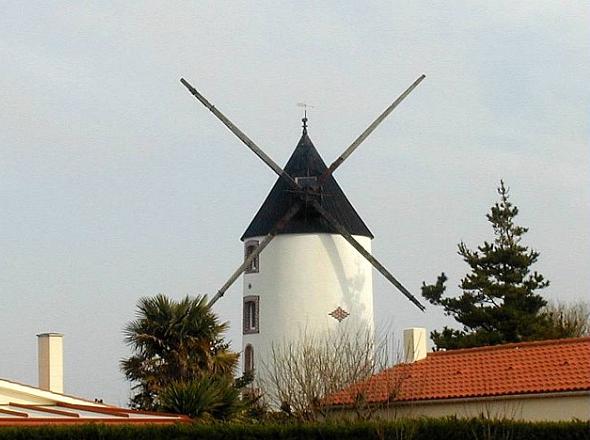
424 429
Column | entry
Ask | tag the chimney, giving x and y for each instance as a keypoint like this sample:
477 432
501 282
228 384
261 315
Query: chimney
414 344
51 365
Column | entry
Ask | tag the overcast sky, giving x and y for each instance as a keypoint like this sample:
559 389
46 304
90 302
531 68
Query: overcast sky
116 183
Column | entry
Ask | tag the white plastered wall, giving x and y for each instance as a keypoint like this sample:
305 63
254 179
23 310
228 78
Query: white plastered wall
535 408
302 278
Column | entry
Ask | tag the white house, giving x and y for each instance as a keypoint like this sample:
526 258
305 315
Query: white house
26 405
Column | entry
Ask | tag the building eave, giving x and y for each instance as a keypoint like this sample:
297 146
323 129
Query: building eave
466 400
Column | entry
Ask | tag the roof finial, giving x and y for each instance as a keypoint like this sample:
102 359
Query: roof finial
304 120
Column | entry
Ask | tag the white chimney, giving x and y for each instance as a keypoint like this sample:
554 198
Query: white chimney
414 344
51 363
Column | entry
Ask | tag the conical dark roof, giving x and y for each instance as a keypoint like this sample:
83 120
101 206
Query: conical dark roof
305 161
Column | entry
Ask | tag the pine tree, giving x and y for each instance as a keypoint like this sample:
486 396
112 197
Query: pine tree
499 303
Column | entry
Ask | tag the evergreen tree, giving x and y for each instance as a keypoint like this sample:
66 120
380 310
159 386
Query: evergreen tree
499 303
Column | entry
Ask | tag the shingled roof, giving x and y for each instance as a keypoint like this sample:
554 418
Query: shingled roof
511 369
306 161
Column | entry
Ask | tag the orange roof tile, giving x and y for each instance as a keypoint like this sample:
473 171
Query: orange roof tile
520 368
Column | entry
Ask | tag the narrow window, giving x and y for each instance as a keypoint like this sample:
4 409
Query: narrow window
251 314
250 247
248 359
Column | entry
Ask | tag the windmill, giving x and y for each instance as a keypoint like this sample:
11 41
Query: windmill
319 243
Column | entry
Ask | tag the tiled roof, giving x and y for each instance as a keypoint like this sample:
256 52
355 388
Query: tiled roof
520 368
16 414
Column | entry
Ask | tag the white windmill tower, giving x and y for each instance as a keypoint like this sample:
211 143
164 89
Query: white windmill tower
315 272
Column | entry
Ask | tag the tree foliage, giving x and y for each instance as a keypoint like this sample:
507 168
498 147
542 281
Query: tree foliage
303 372
567 320
499 303
206 398
178 349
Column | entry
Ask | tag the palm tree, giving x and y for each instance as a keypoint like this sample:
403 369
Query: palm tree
204 399
174 342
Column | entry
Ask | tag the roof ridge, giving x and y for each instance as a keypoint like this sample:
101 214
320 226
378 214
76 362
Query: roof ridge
510 345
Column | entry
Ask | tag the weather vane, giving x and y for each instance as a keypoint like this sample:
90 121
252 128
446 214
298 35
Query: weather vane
305 107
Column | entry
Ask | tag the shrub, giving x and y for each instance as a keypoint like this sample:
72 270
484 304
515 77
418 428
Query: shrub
422 429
